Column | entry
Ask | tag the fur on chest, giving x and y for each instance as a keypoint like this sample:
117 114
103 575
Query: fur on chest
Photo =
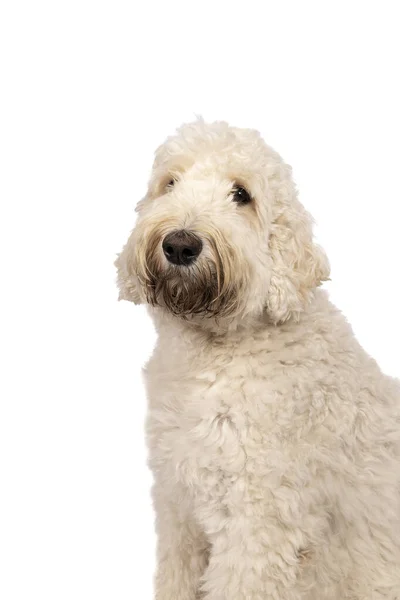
195 432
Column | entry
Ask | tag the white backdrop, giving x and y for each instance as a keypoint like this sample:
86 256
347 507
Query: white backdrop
89 89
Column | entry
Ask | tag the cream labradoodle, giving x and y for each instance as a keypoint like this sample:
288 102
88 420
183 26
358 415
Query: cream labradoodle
274 438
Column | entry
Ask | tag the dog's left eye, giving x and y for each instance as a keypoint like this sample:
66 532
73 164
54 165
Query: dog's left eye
241 195
170 184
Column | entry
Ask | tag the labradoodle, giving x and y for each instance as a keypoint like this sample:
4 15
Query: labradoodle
274 438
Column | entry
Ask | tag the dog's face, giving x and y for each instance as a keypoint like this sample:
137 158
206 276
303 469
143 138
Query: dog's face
220 232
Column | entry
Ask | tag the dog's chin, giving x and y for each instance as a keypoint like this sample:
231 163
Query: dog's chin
189 291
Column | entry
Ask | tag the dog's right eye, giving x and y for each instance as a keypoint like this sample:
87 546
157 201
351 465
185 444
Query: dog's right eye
241 195
170 184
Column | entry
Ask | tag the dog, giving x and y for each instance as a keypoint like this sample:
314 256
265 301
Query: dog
274 439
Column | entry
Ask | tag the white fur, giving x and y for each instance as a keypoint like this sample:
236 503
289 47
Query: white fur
274 438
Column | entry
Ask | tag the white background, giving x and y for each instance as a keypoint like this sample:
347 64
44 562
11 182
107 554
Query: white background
88 90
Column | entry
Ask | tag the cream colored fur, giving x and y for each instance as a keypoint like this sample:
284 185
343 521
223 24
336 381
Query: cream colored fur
274 438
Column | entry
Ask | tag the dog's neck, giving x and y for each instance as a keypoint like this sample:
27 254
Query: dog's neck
200 332
205 328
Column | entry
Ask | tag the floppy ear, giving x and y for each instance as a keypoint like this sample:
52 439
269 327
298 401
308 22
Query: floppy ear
298 264
126 278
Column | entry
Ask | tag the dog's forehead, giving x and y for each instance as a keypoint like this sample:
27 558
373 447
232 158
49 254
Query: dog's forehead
215 147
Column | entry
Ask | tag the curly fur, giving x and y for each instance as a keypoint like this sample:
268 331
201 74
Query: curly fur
274 438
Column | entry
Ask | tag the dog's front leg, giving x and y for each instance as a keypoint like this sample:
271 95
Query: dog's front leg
182 555
254 553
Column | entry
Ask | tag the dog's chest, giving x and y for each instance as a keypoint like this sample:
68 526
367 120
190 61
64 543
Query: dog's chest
195 430
210 419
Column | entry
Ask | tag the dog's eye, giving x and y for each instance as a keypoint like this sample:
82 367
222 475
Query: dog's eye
170 184
241 195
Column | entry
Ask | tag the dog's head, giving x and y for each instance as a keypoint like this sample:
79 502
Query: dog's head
220 232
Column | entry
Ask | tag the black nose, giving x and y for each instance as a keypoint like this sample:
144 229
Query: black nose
182 247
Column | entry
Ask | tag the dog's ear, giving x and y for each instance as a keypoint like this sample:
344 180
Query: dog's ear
298 265
126 278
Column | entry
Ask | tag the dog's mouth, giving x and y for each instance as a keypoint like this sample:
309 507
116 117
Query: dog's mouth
204 287
185 290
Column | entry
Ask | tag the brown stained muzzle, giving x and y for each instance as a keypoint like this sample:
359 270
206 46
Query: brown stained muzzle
192 282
